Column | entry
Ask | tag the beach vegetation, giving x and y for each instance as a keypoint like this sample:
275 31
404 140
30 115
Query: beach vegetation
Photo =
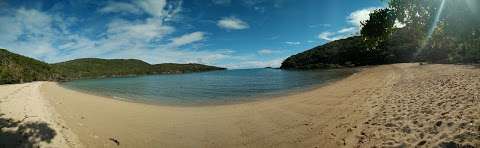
434 31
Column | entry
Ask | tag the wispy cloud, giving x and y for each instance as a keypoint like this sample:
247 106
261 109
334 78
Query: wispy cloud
115 7
155 8
232 23
332 36
319 25
144 30
265 52
292 43
347 30
340 34
188 39
50 37
273 37
53 38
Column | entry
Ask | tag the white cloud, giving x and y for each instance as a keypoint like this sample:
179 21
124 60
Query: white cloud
156 8
38 34
28 31
146 30
340 34
265 52
326 36
355 18
293 43
187 39
319 25
114 7
153 7
232 23
11 31
347 30
52 38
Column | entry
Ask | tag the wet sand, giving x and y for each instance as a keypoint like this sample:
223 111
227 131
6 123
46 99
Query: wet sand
400 105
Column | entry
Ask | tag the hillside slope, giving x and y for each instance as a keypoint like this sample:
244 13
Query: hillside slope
15 68
353 51
182 68
344 52
98 68
94 68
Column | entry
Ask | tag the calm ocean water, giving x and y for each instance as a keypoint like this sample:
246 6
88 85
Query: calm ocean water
216 87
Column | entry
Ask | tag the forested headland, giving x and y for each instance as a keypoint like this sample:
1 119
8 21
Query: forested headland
15 68
433 31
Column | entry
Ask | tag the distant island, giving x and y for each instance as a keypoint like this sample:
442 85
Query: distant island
15 68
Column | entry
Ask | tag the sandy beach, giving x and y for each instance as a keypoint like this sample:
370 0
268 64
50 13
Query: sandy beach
400 105
29 120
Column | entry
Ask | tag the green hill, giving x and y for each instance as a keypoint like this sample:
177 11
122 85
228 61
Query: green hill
16 68
99 68
96 68
344 52
353 51
182 68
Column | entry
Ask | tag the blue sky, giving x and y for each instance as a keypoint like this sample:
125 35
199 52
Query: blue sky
227 33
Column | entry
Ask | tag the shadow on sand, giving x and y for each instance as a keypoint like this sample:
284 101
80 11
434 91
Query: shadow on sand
24 134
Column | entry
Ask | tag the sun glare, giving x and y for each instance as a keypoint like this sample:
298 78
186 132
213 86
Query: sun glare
436 20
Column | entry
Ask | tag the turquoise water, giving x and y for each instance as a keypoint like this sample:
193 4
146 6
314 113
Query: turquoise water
216 87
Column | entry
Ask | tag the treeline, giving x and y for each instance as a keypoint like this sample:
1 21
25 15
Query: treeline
406 31
16 68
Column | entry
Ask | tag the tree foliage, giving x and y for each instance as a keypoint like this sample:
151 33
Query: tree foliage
341 53
432 33
16 68
378 27
97 68
453 38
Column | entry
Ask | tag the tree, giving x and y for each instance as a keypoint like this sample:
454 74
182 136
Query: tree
379 27
448 33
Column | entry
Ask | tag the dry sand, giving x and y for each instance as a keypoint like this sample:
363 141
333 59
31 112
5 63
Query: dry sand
401 105
28 120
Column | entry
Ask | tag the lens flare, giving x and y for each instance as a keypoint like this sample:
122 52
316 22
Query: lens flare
435 22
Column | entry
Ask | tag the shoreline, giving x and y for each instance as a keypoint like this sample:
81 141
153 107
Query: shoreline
187 122
237 100
378 106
